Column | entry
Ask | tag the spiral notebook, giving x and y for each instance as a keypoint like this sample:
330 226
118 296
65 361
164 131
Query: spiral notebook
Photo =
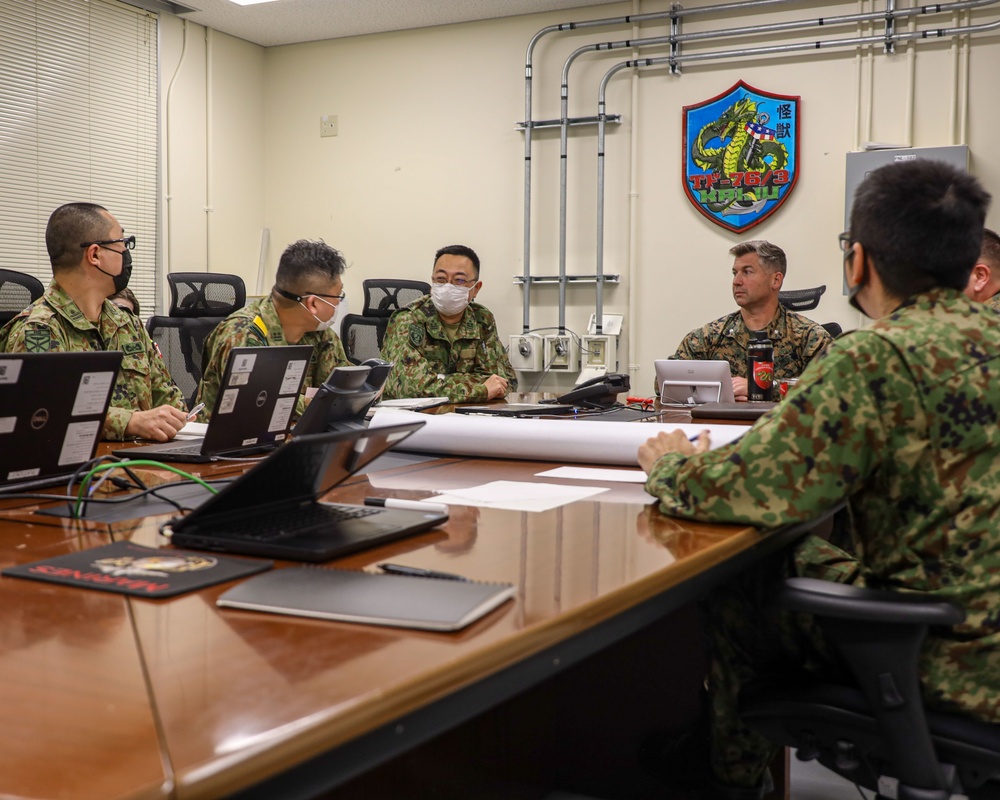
430 604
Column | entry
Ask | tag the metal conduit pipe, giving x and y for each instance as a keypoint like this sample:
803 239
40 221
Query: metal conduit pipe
633 19
887 40
750 51
888 15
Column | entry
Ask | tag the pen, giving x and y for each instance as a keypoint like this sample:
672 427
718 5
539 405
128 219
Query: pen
194 411
416 572
405 505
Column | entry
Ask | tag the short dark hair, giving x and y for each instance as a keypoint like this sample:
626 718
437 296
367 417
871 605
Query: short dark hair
921 222
304 262
989 252
127 294
459 250
772 257
68 227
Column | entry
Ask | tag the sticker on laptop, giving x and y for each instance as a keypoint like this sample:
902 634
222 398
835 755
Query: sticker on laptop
10 370
244 362
91 395
282 413
228 401
78 443
293 377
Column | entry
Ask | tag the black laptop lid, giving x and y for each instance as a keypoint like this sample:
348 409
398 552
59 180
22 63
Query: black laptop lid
257 397
304 469
52 408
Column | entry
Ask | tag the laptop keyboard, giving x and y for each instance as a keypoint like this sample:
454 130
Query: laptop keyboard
302 519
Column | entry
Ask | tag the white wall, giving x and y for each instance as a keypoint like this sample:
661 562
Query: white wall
428 155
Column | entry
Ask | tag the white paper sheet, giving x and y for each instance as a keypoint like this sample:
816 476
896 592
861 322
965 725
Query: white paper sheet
594 474
564 441
193 430
517 495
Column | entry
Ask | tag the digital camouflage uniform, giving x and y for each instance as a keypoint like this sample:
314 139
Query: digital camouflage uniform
994 302
428 365
257 325
55 323
899 419
796 341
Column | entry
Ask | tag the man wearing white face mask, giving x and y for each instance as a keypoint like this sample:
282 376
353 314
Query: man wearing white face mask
445 344
300 309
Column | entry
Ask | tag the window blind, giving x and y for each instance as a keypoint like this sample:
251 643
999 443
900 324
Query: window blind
78 122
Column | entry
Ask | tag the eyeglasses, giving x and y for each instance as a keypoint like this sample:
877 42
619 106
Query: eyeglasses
845 241
128 241
461 283
298 297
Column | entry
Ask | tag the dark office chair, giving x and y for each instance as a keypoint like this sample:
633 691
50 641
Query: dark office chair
205 294
833 329
801 299
363 336
876 733
18 290
385 295
198 302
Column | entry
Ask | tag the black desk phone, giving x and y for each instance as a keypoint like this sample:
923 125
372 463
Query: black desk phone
599 392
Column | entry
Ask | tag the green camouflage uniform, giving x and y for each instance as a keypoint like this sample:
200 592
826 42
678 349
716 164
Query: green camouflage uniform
428 365
55 323
900 420
796 340
257 325
994 302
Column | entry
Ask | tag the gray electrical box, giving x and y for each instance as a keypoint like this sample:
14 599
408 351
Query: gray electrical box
860 164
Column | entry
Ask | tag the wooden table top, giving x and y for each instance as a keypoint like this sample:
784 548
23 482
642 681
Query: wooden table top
105 696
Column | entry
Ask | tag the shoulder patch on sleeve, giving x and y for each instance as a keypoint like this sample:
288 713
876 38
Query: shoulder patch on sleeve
130 348
37 340
416 335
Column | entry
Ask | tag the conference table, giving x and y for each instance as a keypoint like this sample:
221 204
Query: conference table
110 696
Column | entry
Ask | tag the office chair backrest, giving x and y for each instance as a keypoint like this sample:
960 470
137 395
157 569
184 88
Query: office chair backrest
385 295
363 336
833 329
18 290
205 294
181 340
801 299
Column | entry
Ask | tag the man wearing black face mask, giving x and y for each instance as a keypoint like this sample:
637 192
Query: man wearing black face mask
91 260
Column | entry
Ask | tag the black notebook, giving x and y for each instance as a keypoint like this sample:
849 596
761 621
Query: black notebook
432 604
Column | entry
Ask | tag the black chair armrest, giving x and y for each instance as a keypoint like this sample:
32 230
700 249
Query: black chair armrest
828 599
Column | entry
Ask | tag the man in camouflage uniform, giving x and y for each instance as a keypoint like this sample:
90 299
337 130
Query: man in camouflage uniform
899 420
758 273
300 309
984 282
445 345
90 260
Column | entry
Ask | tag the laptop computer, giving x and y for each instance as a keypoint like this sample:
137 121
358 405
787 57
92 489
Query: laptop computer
689 383
52 408
517 409
731 410
274 510
253 409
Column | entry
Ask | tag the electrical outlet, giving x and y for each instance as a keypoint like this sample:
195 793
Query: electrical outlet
600 351
525 352
328 125
562 353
